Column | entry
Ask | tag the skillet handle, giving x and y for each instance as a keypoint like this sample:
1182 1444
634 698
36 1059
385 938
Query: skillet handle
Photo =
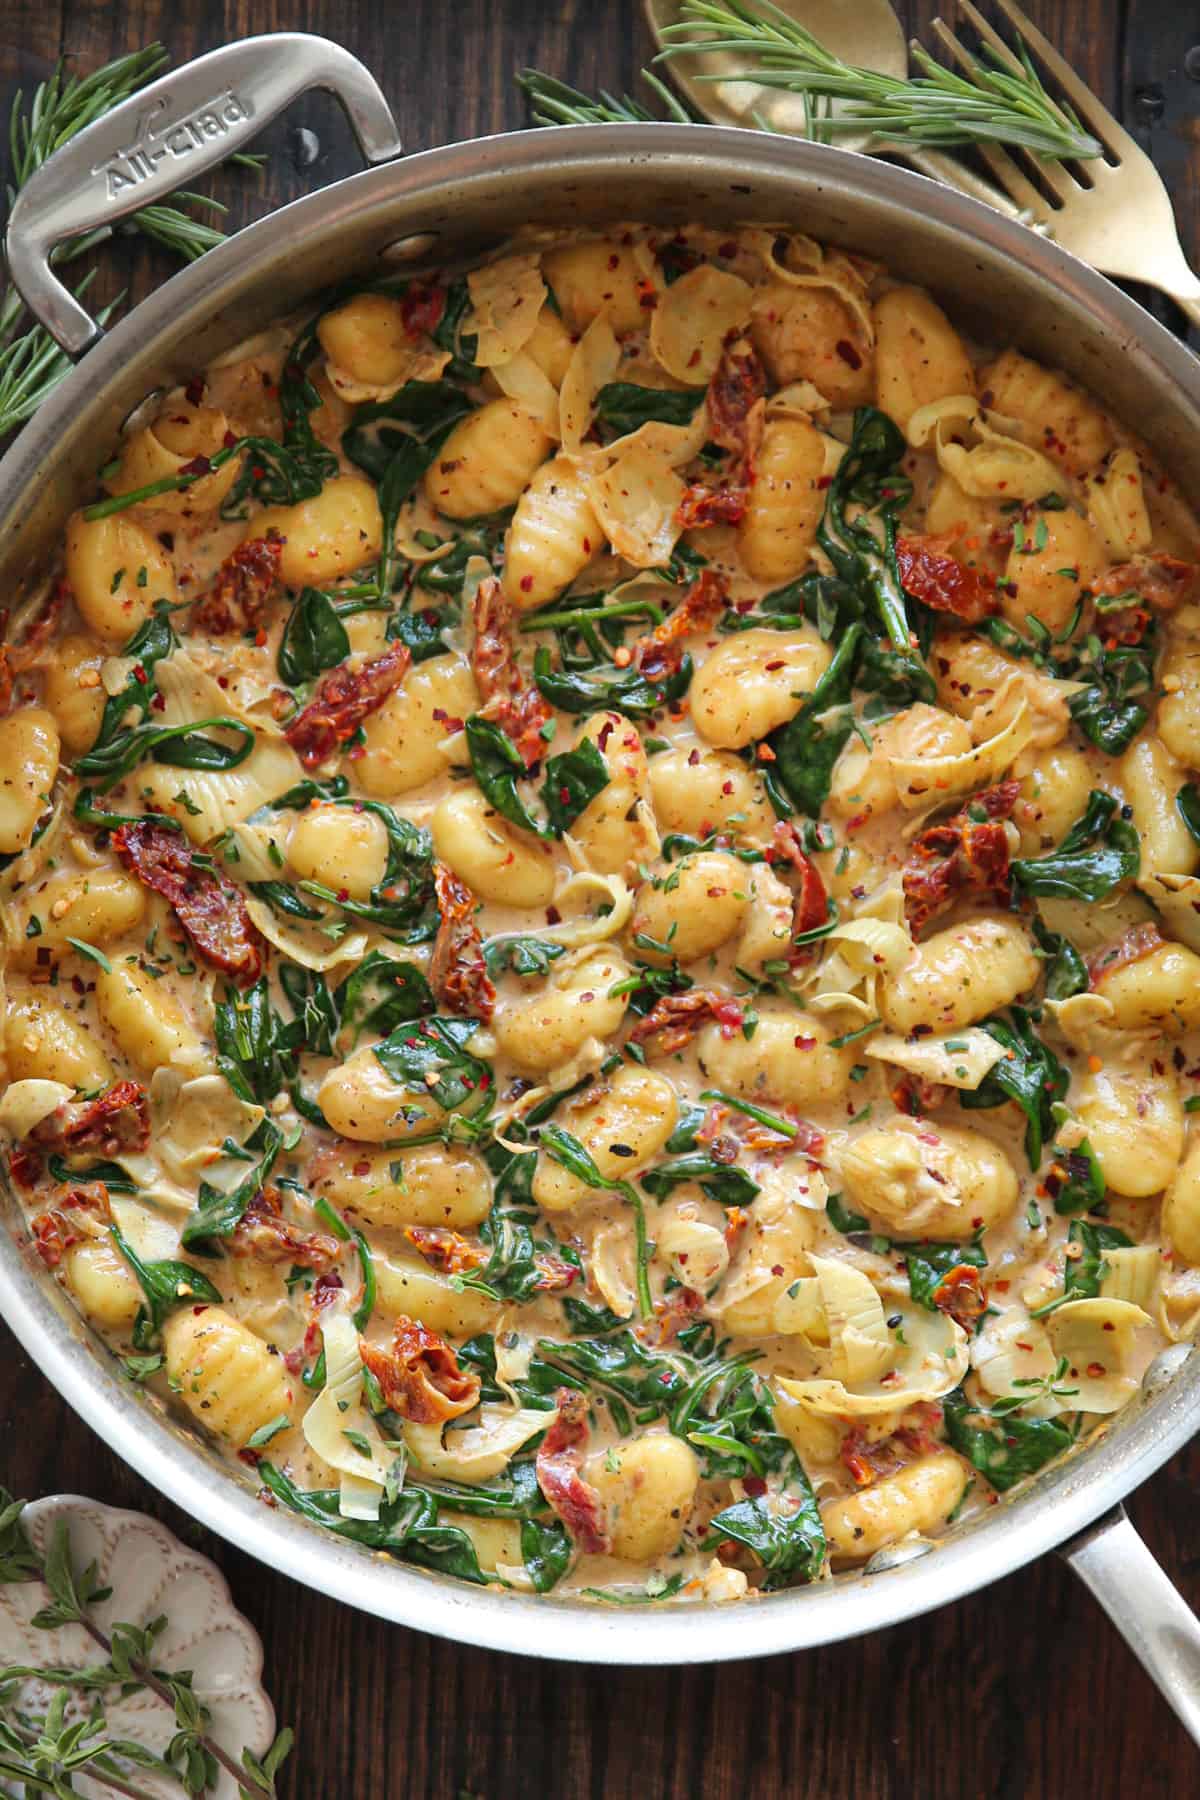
162 138
1145 1606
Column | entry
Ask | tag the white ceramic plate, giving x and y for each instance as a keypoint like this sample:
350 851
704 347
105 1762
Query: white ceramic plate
150 1572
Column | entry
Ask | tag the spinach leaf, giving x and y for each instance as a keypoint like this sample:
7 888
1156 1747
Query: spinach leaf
728 1185
407 1526
1083 1274
790 1545
180 746
1004 1450
604 686
929 1264
282 898
521 1246
313 1006
1106 710
806 748
165 1285
1030 1074
219 1213
1075 1180
1188 802
520 955
1065 970
314 639
448 333
395 441
621 1364
842 1219
422 631
1099 852
114 1177
623 406
546 1552
254 1046
536 1388
403 900
429 1057
862 550
147 647
683 1138
380 994
572 780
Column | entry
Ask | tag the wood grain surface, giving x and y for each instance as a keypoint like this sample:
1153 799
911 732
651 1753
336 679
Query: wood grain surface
1022 1692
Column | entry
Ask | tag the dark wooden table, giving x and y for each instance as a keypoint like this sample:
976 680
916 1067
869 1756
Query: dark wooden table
1022 1692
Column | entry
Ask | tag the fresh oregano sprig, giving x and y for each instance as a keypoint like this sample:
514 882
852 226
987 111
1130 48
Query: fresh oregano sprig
45 1752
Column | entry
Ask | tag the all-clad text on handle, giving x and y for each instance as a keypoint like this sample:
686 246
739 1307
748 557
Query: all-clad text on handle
165 136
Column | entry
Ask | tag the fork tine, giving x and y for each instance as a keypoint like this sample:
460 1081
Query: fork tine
1112 135
985 33
1005 168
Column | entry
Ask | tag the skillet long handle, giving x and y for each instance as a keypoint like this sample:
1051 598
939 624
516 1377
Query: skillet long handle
163 137
1147 1609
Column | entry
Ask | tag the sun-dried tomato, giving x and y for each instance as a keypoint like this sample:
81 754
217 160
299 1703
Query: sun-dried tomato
210 908
419 1376
960 855
674 1019
735 401
1139 941
673 1315
421 307
659 653
457 972
77 1218
116 1120
962 1295
245 581
263 1233
703 505
1161 581
559 1462
344 698
811 907
447 1250
507 698
729 1133
930 574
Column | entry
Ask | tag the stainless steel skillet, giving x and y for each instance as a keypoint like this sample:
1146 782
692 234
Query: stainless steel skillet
1009 284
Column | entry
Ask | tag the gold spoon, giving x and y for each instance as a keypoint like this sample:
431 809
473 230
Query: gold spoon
865 32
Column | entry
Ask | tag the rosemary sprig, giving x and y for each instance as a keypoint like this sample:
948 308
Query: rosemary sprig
552 102
989 103
45 1751
31 364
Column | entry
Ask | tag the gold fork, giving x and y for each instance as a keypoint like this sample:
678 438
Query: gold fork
1122 222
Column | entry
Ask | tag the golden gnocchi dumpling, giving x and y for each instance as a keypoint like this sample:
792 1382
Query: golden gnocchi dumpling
498 861
919 357
622 1123
790 1059
648 1487
688 909
408 740
1055 784
919 1498
785 503
29 747
486 462
753 682
184 430
697 792
1132 1115
97 907
809 334
144 1016
553 536
1181 1207
118 572
227 1377
101 1281
44 1042
1058 417
1055 557
921 1179
336 532
340 848
549 1027
368 337
1152 781
431 1184
601 279
959 975
73 693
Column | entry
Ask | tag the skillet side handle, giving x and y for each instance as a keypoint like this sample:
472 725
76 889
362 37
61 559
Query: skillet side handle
163 137
1145 1606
